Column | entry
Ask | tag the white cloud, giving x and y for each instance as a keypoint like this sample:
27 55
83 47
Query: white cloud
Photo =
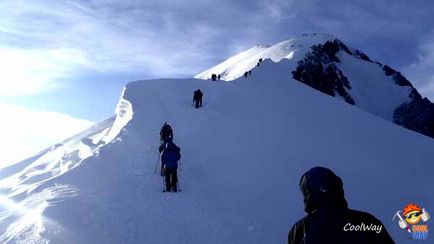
99 36
27 72
420 73
25 132
178 38
141 37
278 10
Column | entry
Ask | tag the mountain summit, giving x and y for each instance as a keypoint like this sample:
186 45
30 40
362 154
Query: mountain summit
325 63
291 49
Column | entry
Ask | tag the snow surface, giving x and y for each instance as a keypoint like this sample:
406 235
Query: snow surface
242 156
371 89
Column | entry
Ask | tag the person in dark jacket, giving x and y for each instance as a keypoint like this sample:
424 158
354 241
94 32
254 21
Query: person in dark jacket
329 220
166 133
169 161
197 98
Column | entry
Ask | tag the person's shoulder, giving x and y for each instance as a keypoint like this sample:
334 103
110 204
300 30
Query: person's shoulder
174 147
302 222
359 213
177 149
368 219
296 233
363 216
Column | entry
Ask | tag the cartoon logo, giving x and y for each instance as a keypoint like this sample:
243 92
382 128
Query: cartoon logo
412 215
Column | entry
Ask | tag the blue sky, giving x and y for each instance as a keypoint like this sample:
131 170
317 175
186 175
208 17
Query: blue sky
73 57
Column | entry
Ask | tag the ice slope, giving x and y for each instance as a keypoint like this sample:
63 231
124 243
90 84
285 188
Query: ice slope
242 156
235 66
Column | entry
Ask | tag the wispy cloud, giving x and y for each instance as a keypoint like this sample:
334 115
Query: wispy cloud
155 38
421 72
179 38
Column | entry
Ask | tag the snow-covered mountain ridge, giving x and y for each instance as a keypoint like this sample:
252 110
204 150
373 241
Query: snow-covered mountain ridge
328 65
243 154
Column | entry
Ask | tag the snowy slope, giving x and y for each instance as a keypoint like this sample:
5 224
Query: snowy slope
371 89
23 191
328 65
242 156
235 66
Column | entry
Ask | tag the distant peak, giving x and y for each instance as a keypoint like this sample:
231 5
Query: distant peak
236 66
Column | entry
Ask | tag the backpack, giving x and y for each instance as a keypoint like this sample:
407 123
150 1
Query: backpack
170 155
176 150
173 149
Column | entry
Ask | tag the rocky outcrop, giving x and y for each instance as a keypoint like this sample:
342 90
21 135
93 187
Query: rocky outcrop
318 70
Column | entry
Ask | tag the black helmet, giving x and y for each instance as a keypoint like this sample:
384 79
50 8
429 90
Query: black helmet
322 188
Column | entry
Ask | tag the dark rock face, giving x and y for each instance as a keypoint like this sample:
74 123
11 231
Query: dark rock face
389 71
318 70
361 56
417 115
399 79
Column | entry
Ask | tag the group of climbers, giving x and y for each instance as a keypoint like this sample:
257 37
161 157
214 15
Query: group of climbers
170 153
323 193
324 202
247 73
215 77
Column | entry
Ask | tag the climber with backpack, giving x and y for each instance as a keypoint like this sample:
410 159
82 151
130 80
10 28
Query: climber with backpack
170 156
329 220
166 133
197 98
